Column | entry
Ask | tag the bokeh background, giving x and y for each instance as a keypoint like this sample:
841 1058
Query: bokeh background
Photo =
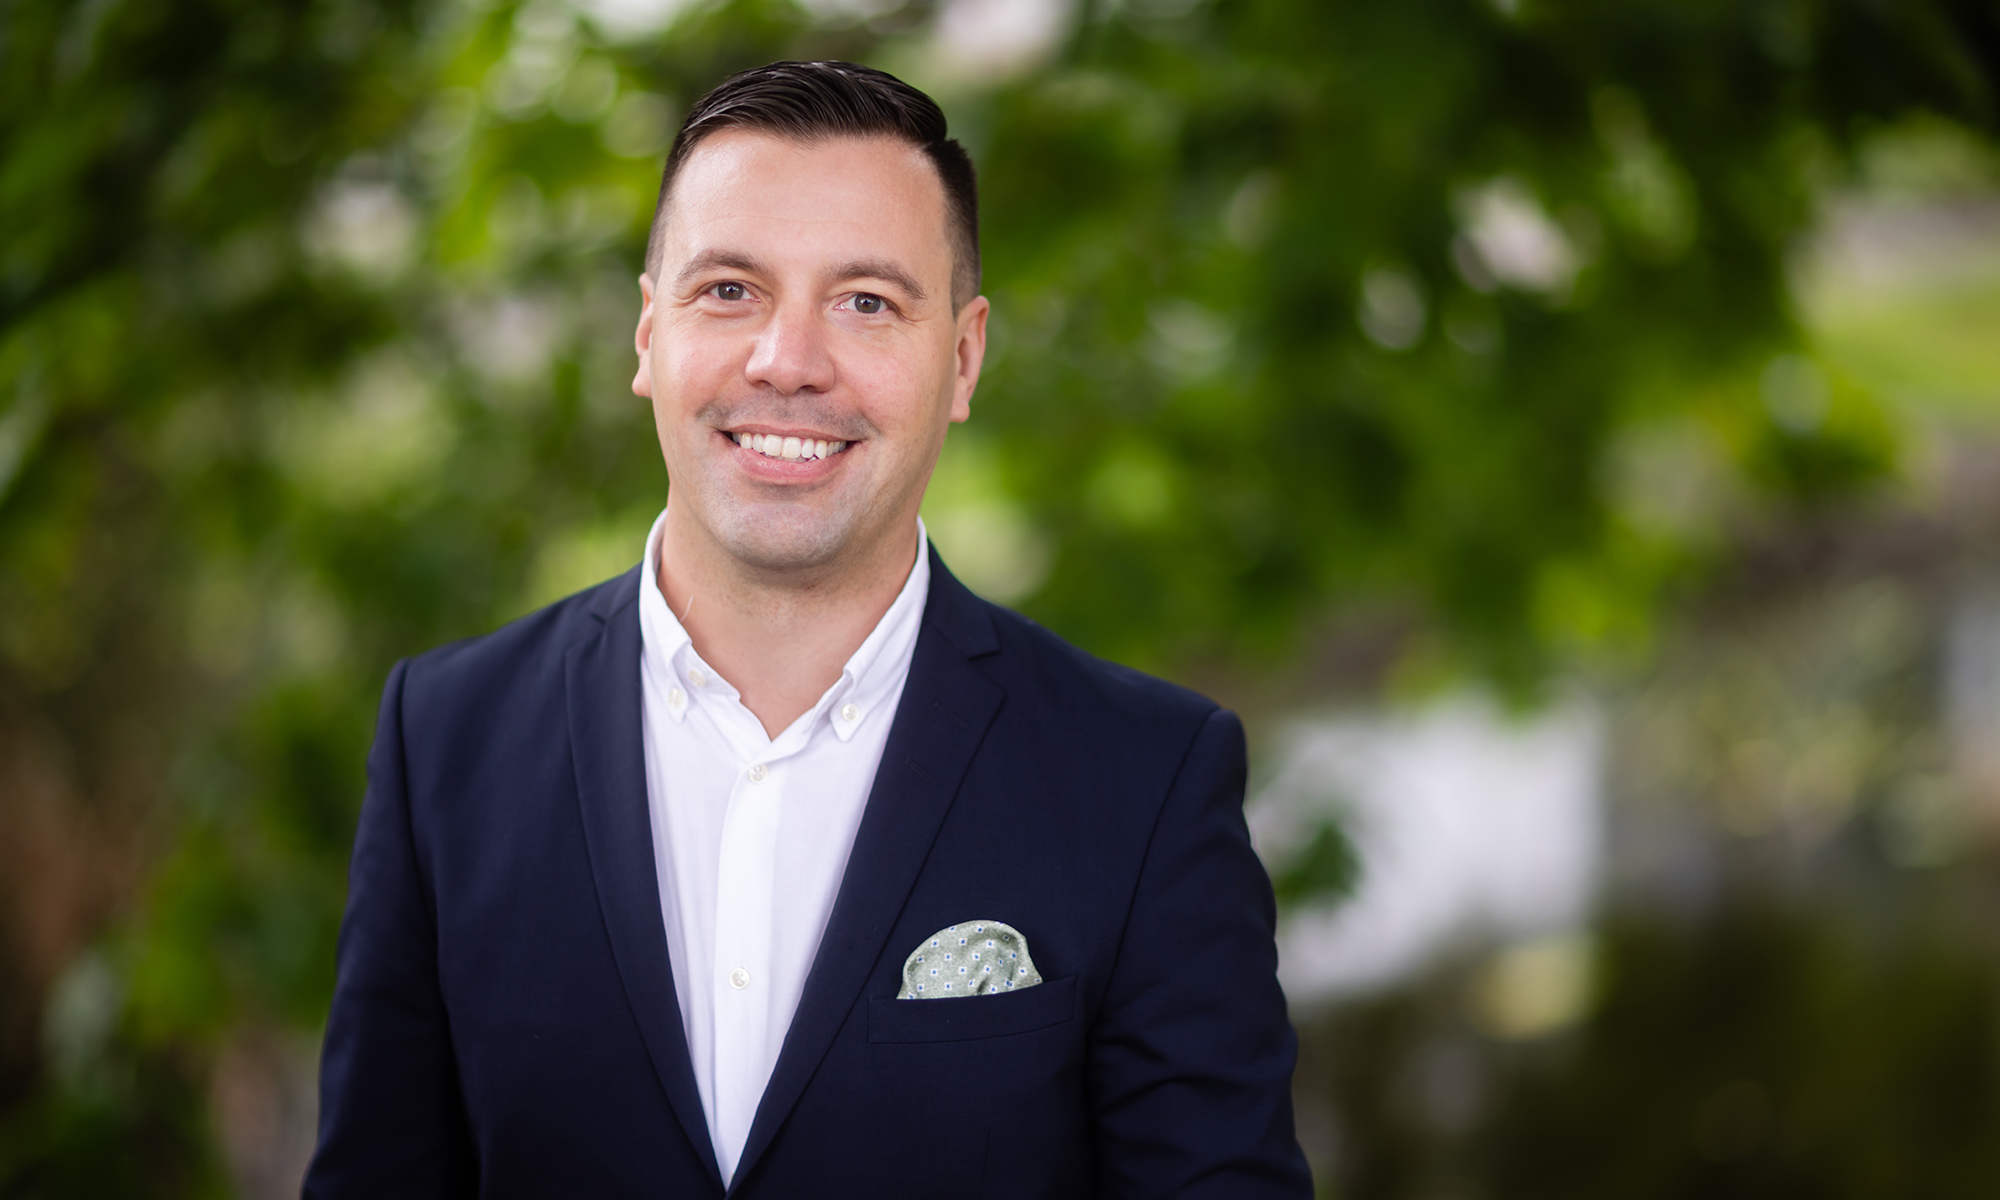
1568 430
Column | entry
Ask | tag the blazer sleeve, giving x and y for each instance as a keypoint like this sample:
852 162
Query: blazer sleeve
1191 1059
392 1121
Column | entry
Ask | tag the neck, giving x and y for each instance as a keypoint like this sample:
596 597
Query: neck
781 641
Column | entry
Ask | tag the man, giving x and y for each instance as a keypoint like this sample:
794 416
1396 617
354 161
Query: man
783 865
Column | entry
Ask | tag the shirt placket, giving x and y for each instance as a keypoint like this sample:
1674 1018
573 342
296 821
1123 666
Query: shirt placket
742 963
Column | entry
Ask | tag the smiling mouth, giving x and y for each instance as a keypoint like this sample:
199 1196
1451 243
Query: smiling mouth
792 449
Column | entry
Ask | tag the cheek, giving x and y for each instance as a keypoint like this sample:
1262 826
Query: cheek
666 430
690 358
674 366
906 392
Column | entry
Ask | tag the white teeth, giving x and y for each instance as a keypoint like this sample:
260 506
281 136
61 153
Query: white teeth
795 449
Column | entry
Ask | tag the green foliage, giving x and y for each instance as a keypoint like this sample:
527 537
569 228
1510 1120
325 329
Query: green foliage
1326 869
149 1138
1252 361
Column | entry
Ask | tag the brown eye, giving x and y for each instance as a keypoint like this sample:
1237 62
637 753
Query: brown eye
865 303
729 291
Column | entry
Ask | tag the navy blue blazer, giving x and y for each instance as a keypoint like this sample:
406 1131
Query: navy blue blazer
505 1024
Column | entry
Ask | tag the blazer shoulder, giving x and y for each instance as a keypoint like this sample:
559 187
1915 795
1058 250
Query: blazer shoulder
527 651
1065 678
1032 663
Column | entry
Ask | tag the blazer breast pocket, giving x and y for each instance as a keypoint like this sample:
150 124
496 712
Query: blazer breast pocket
1050 1002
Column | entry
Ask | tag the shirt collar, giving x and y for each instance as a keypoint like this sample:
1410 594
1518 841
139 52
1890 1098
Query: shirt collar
869 683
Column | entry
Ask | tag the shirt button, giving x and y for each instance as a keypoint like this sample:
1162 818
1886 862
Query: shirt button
739 979
698 677
757 774
674 698
850 713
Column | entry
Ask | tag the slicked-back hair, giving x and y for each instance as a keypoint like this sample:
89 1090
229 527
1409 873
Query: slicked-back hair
813 101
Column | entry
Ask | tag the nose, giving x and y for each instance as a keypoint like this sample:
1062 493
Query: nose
791 353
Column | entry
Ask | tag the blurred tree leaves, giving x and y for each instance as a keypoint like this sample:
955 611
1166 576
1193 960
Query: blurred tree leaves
1326 868
1311 302
314 351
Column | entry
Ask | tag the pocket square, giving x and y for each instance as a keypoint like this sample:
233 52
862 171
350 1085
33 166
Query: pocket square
972 958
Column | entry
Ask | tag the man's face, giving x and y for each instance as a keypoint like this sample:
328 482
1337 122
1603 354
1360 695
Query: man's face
799 346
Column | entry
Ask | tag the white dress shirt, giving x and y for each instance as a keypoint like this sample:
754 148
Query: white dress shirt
751 835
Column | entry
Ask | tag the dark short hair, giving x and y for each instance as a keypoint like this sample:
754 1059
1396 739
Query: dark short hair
813 101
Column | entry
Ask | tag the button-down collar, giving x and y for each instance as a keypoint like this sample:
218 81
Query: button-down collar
873 674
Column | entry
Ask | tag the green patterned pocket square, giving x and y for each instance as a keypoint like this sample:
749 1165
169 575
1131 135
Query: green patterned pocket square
972 958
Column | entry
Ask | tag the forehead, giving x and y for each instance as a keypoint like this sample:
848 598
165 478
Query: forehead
843 195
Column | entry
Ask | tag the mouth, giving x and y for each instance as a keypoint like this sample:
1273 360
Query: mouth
787 448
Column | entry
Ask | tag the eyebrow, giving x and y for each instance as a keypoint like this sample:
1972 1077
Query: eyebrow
709 260
860 268
881 268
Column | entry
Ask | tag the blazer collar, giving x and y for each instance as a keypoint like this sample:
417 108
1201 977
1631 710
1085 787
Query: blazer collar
961 617
606 732
946 707
607 598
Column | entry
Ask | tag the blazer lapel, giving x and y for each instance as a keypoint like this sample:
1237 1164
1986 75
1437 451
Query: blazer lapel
606 731
943 715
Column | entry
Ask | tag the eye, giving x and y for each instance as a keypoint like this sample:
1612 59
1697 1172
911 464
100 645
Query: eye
729 291
865 303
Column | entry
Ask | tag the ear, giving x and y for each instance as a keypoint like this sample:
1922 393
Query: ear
642 341
970 355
